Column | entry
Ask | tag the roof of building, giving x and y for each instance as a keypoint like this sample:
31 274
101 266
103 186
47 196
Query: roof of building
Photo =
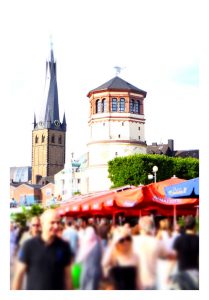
20 174
158 149
117 83
33 186
187 153
166 150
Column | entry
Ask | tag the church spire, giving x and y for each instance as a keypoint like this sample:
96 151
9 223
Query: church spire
52 105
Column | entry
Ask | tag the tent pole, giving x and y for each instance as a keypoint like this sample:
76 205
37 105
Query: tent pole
113 219
174 216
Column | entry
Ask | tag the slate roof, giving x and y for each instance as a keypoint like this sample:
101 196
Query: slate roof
165 149
159 149
117 83
187 153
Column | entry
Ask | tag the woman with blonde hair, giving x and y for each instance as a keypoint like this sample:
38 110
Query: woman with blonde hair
120 263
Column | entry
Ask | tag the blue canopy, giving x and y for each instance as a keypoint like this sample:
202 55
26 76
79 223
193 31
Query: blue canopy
189 188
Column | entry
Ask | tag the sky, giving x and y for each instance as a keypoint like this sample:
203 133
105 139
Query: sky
152 40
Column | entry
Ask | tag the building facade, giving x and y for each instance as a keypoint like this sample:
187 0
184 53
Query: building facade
116 128
49 134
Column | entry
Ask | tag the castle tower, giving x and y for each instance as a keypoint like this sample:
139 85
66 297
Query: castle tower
48 136
116 125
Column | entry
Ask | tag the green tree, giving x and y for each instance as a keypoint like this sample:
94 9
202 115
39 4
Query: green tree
134 169
26 214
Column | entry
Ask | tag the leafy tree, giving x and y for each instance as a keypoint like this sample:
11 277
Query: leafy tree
36 210
26 214
134 169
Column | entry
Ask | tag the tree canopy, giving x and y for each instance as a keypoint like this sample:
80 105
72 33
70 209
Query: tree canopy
134 169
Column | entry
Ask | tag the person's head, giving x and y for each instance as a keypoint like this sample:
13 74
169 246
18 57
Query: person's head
122 240
82 223
35 226
146 225
90 234
103 221
50 222
190 223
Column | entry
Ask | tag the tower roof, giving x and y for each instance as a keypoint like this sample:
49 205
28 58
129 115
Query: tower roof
49 114
52 106
115 84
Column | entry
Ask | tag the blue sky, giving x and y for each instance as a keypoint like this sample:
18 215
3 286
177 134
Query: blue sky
187 76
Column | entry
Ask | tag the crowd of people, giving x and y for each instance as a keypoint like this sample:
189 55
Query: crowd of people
95 254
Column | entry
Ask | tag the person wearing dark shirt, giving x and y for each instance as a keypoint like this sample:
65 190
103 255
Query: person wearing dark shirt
46 259
187 249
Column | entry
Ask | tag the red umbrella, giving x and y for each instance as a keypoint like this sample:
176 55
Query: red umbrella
154 193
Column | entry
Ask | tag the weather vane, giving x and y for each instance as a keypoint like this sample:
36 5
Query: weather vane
118 70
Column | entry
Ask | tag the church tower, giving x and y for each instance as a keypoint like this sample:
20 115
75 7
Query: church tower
116 127
49 133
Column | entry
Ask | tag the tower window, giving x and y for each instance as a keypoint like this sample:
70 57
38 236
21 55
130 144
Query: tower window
137 106
43 139
98 106
139 128
132 106
103 124
36 139
53 139
60 139
114 104
122 123
119 136
122 105
139 137
104 105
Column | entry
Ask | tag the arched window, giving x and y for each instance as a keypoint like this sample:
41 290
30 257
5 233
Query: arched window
122 105
53 139
132 106
43 139
114 104
104 105
137 107
60 139
98 106
36 139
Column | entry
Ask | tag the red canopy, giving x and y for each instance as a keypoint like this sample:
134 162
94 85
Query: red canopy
131 200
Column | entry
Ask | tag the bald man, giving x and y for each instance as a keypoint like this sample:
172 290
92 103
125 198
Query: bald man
45 259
